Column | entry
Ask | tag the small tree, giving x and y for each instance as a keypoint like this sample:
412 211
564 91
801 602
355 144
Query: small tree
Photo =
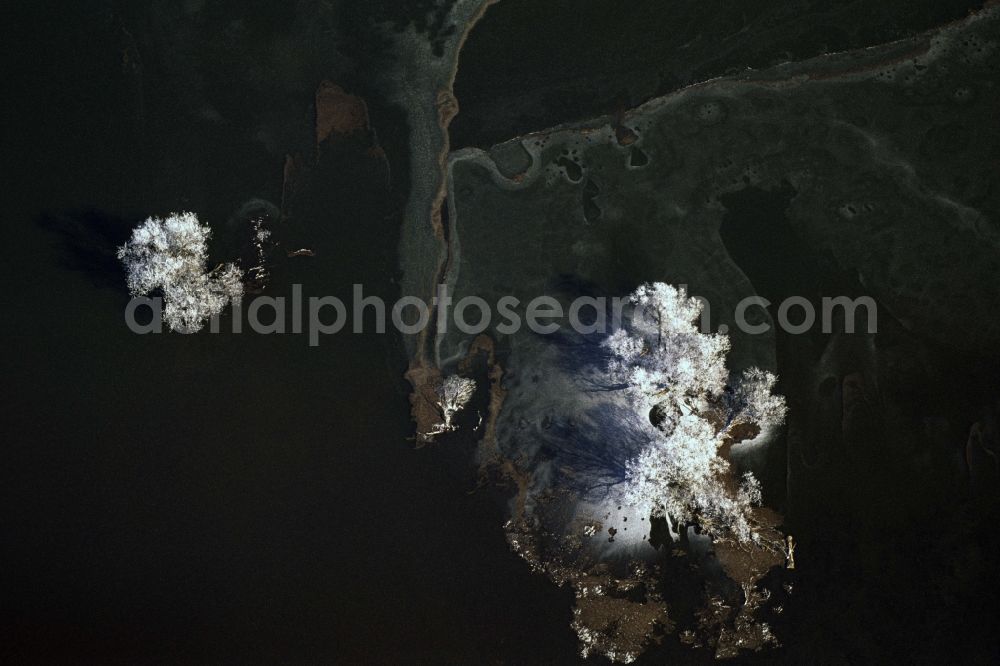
171 254
676 376
453 394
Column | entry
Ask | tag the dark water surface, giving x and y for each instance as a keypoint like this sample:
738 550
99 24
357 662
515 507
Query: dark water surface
216 497
250 498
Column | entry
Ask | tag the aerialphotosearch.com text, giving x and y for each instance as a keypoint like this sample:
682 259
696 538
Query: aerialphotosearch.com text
317 316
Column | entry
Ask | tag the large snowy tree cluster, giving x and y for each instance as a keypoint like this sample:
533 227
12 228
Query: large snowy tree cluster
171 254
676 376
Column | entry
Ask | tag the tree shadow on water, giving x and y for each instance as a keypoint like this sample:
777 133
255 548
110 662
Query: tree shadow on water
86 241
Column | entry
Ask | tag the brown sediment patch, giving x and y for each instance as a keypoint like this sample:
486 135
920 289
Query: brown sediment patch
341 119
423 399
746 563
338 113
616 626
616 615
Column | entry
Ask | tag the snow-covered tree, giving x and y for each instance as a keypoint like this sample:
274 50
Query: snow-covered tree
752 400
664 351
171 254
676 376
453 395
